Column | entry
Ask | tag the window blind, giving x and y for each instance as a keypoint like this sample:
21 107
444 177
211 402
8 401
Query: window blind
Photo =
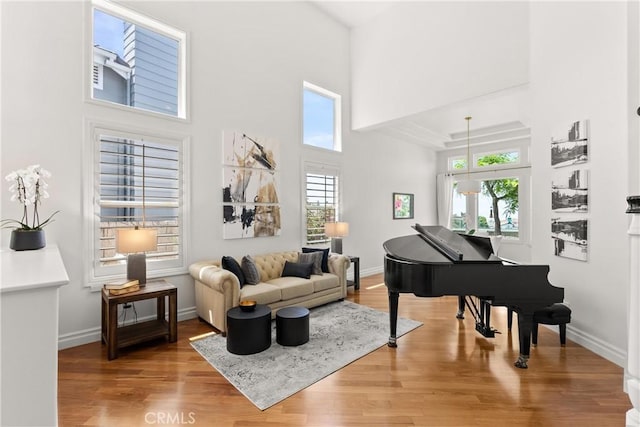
139 185
321 204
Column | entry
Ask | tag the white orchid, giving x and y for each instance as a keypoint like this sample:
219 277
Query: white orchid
28 188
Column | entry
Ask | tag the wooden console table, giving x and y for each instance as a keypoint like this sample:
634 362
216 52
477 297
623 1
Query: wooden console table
118 337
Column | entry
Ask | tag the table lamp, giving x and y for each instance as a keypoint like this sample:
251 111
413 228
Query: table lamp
135 242
336 230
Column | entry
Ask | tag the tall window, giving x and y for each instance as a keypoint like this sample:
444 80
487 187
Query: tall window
137 61
496 207
500 205
322 202
139 183
321 125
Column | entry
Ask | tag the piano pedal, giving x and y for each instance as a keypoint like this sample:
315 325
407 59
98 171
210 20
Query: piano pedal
485 331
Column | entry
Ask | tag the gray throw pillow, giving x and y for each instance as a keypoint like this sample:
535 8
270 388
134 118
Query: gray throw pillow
250 270
312 257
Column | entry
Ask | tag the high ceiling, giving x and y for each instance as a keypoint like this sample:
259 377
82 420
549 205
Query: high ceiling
497 117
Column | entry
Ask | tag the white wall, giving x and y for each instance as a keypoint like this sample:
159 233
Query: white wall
579 71
416 56
246 65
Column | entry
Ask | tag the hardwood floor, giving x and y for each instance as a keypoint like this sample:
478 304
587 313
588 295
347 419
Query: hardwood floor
442 374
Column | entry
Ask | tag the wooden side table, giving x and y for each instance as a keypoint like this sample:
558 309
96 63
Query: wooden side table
118 337
356 272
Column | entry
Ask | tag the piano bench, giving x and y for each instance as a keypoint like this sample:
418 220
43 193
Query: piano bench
556 314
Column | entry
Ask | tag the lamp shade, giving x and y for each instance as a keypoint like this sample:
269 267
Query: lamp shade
132 240
336 229
468 186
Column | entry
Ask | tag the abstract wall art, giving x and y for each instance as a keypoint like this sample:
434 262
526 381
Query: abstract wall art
250 177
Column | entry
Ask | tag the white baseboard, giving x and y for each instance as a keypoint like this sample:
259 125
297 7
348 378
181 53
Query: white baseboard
371 271
603 349
87 336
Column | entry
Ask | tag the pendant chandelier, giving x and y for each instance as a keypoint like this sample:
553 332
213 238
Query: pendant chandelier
468 186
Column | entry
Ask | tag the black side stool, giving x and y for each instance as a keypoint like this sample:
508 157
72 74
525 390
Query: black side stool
248 332
556 314
292 326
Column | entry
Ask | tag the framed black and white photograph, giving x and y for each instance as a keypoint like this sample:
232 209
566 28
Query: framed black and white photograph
569 190
402 206
570 238
570 146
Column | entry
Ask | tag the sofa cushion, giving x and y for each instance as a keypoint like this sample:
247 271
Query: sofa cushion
293 287
250 270
325 257
230 264
313 257
270 265
297 269
262 293
324 282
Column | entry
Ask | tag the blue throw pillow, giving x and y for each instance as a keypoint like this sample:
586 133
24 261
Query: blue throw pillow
297 269
230 264
325 257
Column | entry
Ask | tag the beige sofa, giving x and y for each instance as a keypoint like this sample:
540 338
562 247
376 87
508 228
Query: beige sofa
218 290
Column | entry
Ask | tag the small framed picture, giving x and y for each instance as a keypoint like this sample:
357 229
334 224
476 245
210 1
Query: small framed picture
402 206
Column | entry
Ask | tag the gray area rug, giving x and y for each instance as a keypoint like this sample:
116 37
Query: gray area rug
339 333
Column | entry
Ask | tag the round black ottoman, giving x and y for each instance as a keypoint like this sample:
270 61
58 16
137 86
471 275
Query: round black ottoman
292 326
248 332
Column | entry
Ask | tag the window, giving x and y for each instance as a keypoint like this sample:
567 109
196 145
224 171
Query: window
502 206
497 207
321 125
137 62
321 201
139 182
484 160
499 158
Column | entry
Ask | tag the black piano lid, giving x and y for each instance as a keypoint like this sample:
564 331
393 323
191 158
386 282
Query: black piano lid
438 245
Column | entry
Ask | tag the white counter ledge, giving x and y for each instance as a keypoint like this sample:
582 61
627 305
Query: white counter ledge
21 270
29 305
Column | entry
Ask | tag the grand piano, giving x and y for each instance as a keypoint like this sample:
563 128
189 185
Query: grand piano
437 261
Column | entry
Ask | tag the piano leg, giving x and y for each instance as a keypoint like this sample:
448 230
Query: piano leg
525 323
393 317
460 313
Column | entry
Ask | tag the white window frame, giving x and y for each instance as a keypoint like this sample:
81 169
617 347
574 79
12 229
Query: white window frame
151 24
337 115
96 274
477 156
321 169
520 170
